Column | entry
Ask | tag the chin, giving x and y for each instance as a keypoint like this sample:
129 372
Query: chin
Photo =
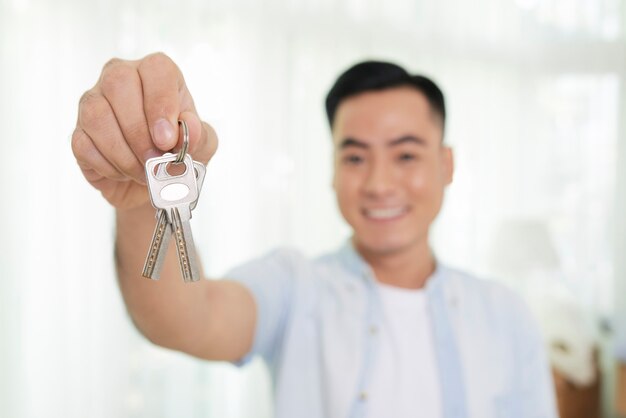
381 245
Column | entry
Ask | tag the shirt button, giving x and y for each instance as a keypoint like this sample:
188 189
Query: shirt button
373 330
363 396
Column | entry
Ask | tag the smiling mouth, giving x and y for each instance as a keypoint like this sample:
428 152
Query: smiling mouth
386 213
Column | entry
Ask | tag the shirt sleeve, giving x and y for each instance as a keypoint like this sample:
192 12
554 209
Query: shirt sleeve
536 385
271 279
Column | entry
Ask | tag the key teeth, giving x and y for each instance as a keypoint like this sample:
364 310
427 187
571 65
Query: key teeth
185 257
151 268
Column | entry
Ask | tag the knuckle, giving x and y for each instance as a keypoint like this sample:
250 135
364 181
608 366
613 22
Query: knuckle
81 143
109 171
113 174
158 60
161 105
93 107
137 132
112 63
128 164
116 77
159 63
87 98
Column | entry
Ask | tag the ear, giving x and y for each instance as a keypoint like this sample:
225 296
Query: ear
447 166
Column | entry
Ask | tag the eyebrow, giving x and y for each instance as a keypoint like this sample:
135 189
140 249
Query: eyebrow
408 139
351 142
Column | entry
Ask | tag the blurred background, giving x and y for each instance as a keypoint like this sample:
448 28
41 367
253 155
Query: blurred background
536 91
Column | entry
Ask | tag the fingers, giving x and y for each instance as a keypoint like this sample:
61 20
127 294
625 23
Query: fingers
106 150
132 115
121 85
91 162
163 89
208 145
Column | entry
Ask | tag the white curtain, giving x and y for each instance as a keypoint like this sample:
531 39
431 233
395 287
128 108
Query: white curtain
535 91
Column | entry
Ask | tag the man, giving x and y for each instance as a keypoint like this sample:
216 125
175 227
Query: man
376 329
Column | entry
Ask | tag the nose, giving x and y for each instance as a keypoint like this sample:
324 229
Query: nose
380 181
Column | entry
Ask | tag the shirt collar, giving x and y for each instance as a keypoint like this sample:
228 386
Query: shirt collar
351 258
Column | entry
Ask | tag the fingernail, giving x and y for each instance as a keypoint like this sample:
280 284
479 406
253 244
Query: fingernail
163 134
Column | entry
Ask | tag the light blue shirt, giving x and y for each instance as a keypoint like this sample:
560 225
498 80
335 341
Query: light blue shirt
315 317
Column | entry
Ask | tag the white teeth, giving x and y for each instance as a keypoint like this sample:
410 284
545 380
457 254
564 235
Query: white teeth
384 213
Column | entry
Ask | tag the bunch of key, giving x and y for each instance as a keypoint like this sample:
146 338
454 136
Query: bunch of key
174 196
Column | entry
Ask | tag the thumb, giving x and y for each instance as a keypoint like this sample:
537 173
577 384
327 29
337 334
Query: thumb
162 83
164 134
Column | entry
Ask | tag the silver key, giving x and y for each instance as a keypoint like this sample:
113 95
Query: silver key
169 191
158 247
160 238
175 196
162 231
200 170
185 248
200 173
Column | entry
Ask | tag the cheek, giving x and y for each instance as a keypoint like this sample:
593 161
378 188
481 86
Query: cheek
424 180
420 179
346 188
417 181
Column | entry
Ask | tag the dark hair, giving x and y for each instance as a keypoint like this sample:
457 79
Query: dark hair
378 75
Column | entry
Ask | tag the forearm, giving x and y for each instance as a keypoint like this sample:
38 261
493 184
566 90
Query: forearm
211 319
156 307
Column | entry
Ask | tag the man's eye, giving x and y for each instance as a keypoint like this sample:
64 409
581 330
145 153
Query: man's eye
407 157
352 159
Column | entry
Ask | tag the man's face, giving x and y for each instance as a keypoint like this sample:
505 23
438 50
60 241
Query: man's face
391 168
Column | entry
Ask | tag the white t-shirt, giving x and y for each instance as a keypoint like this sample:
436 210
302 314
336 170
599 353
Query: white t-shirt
313 331
404 381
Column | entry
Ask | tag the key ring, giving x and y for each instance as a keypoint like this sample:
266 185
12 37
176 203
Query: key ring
183 151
